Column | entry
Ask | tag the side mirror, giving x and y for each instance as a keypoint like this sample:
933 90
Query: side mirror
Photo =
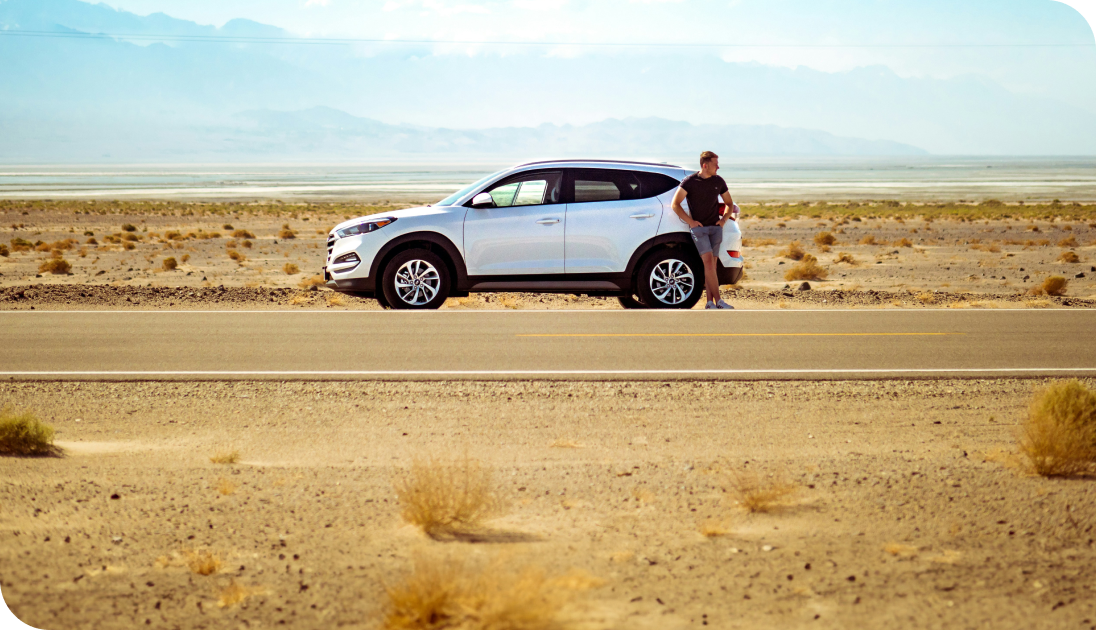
483 200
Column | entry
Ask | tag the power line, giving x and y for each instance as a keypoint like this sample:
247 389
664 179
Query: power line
218 39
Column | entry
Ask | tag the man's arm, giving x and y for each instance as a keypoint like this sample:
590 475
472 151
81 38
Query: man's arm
730 205
679 196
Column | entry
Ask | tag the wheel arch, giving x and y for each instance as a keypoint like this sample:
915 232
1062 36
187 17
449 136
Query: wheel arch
432 241
669 240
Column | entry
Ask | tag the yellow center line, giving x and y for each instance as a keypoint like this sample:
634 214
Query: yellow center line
928 334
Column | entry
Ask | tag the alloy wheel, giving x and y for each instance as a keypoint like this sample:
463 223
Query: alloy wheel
672 281
417 282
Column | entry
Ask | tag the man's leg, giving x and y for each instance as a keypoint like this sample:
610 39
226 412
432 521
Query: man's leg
711 280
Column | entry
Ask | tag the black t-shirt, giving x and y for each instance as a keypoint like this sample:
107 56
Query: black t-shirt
703 197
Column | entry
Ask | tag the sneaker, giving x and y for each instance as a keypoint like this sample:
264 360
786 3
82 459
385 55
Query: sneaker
723 305
710 305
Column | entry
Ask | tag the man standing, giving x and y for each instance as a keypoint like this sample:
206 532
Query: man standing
703 190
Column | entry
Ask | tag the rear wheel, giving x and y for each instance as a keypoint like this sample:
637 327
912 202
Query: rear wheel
630 301
670 279
416 279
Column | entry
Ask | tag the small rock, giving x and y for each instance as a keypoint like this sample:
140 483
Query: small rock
767 548
116 539
1080 275
806 286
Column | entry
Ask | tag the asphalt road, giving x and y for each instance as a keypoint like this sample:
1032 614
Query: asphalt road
127 345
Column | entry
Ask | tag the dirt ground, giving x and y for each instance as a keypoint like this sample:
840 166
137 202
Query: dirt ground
913 261
911 509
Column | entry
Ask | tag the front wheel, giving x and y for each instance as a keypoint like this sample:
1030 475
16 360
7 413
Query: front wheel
670 279
415 279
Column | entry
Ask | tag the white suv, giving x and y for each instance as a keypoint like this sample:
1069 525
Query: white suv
590 227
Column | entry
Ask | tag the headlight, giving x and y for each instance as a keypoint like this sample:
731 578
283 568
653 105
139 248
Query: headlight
365 227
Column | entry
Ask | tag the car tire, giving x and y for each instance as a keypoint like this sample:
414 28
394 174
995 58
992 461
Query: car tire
630 301
670 278
415 279
383 301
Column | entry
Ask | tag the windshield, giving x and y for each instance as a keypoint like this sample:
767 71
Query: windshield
452 199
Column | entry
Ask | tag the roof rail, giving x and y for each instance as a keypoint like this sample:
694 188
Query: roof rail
664 164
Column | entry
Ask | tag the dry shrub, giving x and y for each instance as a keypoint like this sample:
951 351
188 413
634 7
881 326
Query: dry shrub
225 457
712 528
794 251
759 494
129 227
4 251
1059 435
242 234
1037 303
170 264
132 238
236 593
291 269
904 242
845 257
447 499
926 298
56 266
247 244
314 281
761 242
1069 241
334 299
806 269
203 562
1054 285
824 238
128 246
868 240
237 256
185 258
286 233
225 487
300 299
459 595
25 435
989 247
227 226
899 550
1069 257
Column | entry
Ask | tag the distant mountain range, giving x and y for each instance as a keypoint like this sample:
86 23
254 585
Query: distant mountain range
78 99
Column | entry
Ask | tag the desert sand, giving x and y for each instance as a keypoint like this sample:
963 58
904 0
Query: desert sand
911 508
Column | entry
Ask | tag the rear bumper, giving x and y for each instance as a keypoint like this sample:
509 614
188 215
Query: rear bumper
729 275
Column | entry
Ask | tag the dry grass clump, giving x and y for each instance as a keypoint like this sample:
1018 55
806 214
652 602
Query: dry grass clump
824 238
760 242
291 269
286 233
1054 285
4 251
236 593
225 487
1069 241
314 281
926 297
794 251
453 594
759 494
170 264
712 528
225 457
334 299
185 258
203 562
24 434
1059 435
237 256
845 257
806 269
447 499
129 227
242 234
55 265
868 240
1069 257
903 242
899 550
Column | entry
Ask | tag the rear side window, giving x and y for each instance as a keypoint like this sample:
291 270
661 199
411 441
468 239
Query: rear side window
590 185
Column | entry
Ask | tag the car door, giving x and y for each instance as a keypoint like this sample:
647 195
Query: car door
610 213
523 233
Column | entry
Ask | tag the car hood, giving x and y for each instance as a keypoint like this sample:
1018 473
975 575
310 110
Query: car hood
420 211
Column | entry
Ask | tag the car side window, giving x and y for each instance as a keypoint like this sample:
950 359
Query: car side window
532 189
592 185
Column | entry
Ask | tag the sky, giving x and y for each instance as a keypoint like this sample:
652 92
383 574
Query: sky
778 28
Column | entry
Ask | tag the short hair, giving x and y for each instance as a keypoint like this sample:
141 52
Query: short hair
706 157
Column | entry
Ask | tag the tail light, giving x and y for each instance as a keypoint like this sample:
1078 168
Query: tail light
734 254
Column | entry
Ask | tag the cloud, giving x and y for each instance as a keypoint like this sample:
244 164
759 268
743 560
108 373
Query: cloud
317 3
440 7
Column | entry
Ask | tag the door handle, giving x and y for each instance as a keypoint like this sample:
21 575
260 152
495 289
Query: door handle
641 216
548 221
